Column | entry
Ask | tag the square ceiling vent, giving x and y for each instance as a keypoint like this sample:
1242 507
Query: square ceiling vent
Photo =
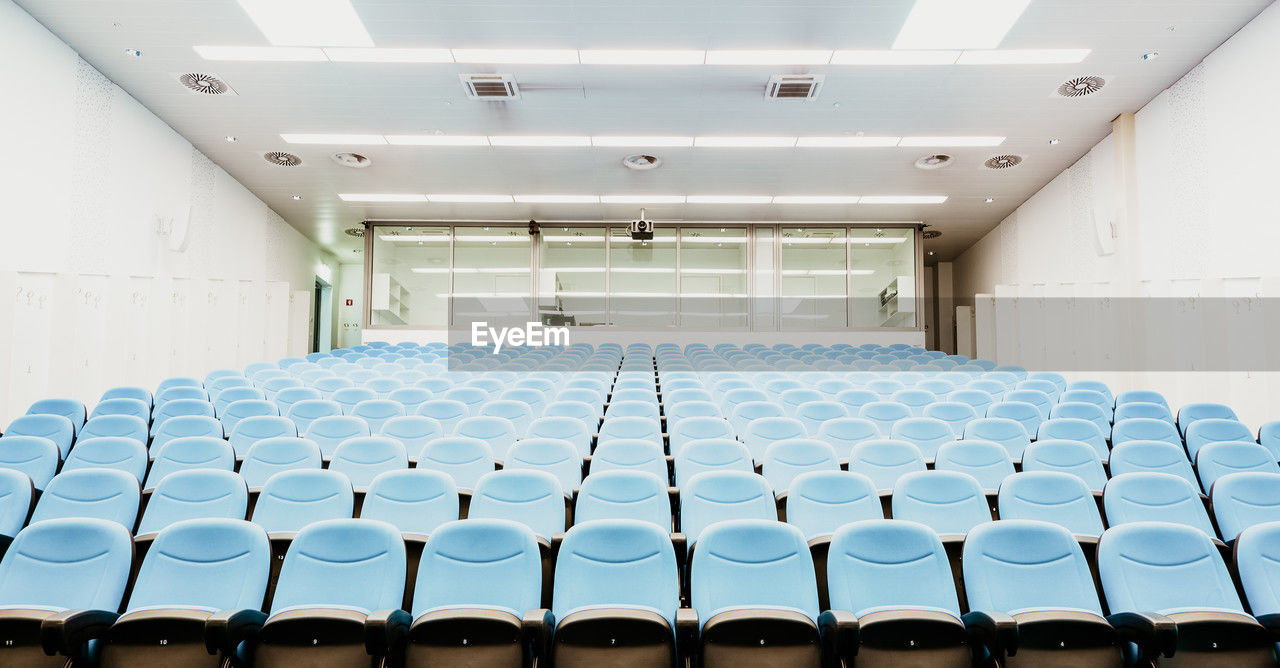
794 86
490 86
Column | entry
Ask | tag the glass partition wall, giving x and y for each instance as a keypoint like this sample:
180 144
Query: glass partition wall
695 277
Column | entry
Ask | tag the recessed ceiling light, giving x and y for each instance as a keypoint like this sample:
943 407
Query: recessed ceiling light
295 138
376 55
437 140
847 142
381 197
297 197
519 56
1151 55
308 22
558 199
620 140
990 200
641 57
886 57
728 199
950 141
904 199
931 252
471 199
297 54
1055 141
745 142
1023 57
642 199
816 199
959 24
512 140
768 57
229 139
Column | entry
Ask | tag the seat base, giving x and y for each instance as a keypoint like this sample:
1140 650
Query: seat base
20 640
159 638
466 638
614 637
760 639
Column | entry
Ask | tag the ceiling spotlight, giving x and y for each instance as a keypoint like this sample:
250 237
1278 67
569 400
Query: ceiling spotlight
1055 141
1151 55
990 200
297 197
230 139
931 252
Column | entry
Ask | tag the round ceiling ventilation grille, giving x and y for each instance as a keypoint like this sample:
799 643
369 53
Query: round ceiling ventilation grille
1003 162
352 160
354 231
1081 86
282 159
203 83
931 234
937 161
641 161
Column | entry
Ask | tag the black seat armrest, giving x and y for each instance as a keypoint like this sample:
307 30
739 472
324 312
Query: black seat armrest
226 629
1150 631
537 626
67 632
839 629
686 634
996 630
385 631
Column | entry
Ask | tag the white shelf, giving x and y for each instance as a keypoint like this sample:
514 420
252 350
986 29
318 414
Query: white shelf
388 300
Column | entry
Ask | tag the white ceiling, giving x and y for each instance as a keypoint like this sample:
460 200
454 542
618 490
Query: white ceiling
1010 100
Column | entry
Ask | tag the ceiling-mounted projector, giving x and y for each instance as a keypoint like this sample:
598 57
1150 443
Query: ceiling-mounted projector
641 230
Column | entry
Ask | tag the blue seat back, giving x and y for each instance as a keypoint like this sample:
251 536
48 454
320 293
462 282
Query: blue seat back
1154 497
195 494
631 455
186 426
533 498
750 564
1144 429
498 432
876 565
35 457
53 427
1190 413
16 494
627 564
716 496
717 454
1216 430
135 407
413 500
95 493
784 460
204 564
448 412
1051 496
115 426
192 452
1008 433
631 495
71 409
1163 568
885 461
844 433
293 499
363 458
1152 457
1140 409
479 563
926 433
1221 459
345 563
819 502
949 502
331 431
67 564
1015 566
108 452
1074 457
1258 561
1241 500
1075 429
697 429
559 458
253 429
466 460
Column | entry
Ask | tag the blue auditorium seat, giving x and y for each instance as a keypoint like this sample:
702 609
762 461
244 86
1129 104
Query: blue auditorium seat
1051 496
106 452
415 501
190 452
114 426
1010 434
784 460
498 432
687 409
814 414
716 496
185 426
1048 387
447 412
1241 500
91 493
671 397
760 433
926 433
517 412
274 386
16 495
178 381
1075 429
1215 430
624 495
135 407
718 454
753 585
331 431
1141 396
328 385
364 457
129 392
340 575
272 455
1177 572
884 414
179 393
885 461
533 498
245 408
1074 457
307 411
819 502
71 409
1144 429
988 462
1084 411
194 494
954 413
471 397
1257 560
854 399
1026 573
35 457
349 397
559 458
1140 409
993 388
891 579
629 454
56 568
253 429
233 394
697 429
56 428
1220 459
949 502
413 431
179 408
1190 413
1269 438
742 415
290 500
1154 457
411 398
1021 412
979 400
1154 497
478 582
464 459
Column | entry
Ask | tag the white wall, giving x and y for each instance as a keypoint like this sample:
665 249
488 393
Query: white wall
1207 223
101 297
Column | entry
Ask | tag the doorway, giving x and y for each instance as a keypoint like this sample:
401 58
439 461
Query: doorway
322 317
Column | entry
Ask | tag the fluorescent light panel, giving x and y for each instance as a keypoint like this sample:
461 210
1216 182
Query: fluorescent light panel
904 199
816 199
295 138
558 199
513 140
959 24
950 142
264 54
847 142
381 197
517 56
856 57
728 199
641 57
379 55
1023 57
642 199
469 199
744 142
638 140
768 57
437 140
308 22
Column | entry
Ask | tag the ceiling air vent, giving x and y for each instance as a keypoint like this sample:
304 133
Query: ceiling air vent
793 86
1081 86
282 159
641 161
1003 162
931 234
354 231
936 161
490 86
204 84
352 160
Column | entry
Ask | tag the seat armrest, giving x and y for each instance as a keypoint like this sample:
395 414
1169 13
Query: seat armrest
385 631
686 634
1272 624
67 632
226 629
537 626
1150 631
996 630
839 629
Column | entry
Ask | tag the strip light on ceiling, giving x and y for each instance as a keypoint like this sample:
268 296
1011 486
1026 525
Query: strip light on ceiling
959 24
581 141
645 199
308 22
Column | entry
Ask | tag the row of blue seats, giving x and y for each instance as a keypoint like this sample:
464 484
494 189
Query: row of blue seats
349 594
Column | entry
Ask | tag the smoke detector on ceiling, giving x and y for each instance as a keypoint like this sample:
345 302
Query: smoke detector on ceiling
1081 86
204 83
352 160
793 86
936 161
354 232
641 161
1003 162
282 159
490 86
